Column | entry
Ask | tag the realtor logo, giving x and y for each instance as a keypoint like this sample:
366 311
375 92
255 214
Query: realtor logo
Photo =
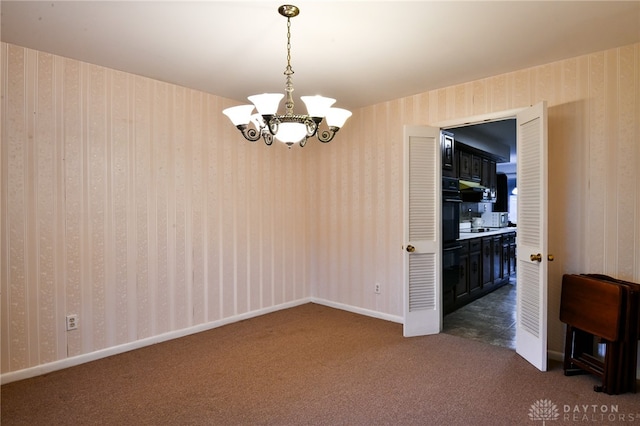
543 409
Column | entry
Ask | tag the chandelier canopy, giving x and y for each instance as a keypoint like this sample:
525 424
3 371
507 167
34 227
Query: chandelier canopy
289 128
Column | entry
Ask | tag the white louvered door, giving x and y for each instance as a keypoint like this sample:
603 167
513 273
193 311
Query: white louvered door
422 247
531 328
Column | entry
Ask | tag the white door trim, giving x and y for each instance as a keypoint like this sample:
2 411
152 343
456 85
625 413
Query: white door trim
478 119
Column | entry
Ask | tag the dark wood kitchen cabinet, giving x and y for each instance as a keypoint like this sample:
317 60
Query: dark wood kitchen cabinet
512 252
476 168
447 145
490 177
497 259
492 183
469 164
464 164
461 290
487 262
482 269
486 170
508 254
505 257
476 165
475 265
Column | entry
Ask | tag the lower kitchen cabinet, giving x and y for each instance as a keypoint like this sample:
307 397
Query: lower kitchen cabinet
505 258
497 259
486 263
461 290
512 254
475 265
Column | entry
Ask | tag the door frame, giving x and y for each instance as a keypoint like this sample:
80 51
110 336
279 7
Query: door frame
429 321
478 119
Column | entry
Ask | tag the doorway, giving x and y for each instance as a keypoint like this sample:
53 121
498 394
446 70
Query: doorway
491 318
422 270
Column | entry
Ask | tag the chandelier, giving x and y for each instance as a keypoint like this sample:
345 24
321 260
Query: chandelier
289 128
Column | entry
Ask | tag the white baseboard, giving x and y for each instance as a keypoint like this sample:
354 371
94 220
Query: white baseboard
103 353
357 310
114 350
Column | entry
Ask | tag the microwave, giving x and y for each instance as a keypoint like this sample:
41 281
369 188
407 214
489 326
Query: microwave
495 219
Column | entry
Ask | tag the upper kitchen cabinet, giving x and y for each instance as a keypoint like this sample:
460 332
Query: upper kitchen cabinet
477 166
486 172
489 177
449 162
464 164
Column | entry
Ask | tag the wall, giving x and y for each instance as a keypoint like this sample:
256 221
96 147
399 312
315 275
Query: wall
594 175
136 205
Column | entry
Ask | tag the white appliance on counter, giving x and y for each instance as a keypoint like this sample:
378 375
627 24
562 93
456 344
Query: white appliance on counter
496 219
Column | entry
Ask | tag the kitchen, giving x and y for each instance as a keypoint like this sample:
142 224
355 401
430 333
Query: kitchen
479 211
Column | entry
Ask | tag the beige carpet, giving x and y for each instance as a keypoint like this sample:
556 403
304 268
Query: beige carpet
313 365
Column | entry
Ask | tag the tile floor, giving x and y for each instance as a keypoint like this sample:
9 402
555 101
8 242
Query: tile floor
490 319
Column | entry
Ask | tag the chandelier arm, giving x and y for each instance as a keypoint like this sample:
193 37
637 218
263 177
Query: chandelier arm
327 135
268 137
273 123
312 124
249 133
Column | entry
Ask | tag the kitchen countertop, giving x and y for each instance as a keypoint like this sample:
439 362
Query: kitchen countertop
492 232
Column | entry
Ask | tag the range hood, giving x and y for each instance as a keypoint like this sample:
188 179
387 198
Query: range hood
467 184
473 192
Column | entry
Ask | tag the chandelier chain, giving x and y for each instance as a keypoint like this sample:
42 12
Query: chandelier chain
288 72
289 43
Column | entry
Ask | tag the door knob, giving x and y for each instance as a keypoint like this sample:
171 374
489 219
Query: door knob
550 257
536 257
411 248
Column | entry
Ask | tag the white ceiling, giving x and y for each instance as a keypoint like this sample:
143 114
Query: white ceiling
360 52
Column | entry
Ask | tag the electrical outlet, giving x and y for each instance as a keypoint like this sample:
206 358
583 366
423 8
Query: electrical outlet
72 322
376 288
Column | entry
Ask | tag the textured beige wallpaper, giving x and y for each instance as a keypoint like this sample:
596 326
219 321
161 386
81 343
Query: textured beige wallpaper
136 205
594 175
